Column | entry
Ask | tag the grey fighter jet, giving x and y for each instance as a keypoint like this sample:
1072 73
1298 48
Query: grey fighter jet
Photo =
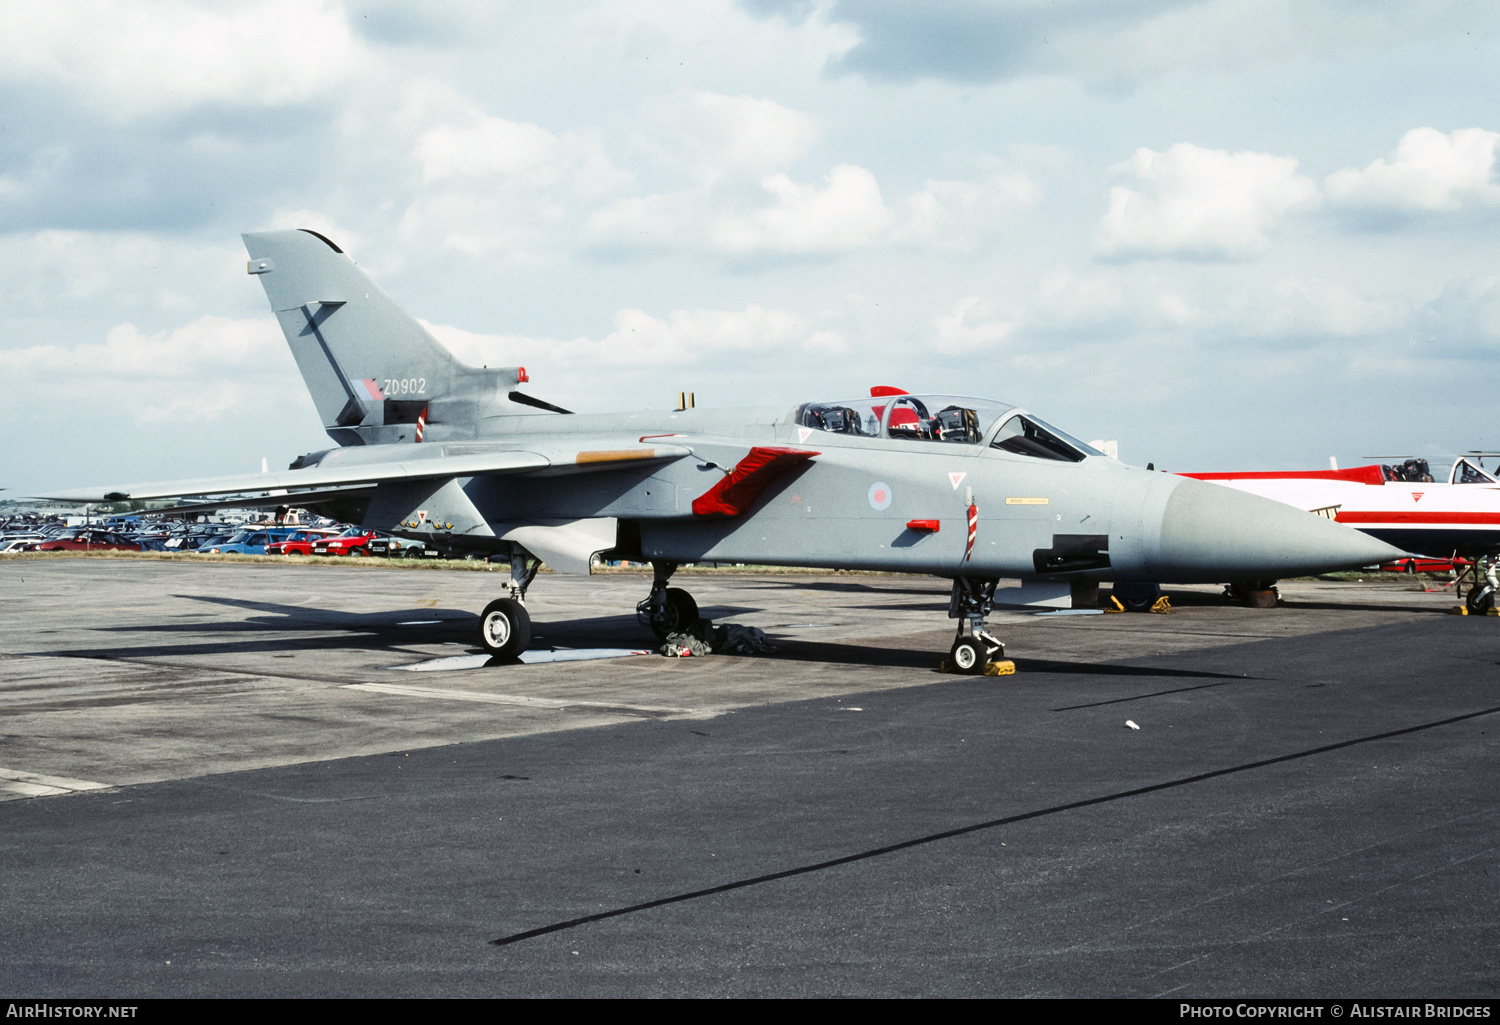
968 489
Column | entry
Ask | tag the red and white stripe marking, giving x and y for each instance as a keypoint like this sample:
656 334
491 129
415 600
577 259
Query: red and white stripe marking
973 530
421 422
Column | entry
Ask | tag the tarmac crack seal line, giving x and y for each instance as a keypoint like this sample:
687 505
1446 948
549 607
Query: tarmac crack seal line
977 827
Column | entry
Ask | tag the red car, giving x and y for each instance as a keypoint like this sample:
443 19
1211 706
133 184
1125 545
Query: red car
89 541
1426 565
299 543
351 542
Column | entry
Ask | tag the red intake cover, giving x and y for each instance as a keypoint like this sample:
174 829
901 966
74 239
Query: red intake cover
740 488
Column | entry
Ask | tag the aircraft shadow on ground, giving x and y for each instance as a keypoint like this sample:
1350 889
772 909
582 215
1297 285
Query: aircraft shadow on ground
1344 606
847 587
1188 600
849 654
384 631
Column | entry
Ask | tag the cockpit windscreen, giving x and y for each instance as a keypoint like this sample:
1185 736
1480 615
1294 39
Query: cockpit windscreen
1028 436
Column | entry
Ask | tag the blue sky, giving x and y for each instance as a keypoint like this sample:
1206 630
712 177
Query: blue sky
1227 233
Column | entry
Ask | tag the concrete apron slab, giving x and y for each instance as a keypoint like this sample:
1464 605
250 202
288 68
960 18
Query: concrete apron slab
133 672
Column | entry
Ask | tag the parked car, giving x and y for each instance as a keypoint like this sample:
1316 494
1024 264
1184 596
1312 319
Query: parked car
87 541
251 541
300 541
354 541
400 548
1426 565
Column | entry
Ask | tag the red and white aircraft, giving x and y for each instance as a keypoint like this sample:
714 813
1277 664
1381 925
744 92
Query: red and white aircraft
1401 505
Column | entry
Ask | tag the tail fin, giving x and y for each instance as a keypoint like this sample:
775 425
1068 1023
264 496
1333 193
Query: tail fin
373 371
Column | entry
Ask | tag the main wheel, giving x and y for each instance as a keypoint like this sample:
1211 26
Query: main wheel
678 613
1481 599
505 628
967 656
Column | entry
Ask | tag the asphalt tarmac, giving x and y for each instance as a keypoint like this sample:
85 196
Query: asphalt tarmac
222 782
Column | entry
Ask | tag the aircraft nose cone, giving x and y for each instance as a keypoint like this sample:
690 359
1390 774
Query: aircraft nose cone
1214 534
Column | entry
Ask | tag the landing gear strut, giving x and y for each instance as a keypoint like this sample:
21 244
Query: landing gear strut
666 610
975 651
505 625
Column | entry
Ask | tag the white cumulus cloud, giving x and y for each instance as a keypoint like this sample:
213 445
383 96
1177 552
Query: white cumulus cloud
1201 203
963 214
972 324
717 135
845 213
641 340
206 370
1429 170
133 56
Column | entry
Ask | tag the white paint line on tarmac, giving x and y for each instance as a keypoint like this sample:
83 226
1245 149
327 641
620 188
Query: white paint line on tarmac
508 699
534 657
14 783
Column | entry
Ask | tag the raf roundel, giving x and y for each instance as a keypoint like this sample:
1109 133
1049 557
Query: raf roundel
880 496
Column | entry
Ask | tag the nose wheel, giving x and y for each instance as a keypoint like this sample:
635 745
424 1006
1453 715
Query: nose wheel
1481 597
975 650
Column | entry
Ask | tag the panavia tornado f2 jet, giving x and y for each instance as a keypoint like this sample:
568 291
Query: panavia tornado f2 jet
968 489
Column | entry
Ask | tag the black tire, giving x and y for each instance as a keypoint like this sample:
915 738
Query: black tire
1480 599
679 613
1136 596
967 656
505 628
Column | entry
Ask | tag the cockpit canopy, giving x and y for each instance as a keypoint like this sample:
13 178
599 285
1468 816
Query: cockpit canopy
1470 471
944 418
910 417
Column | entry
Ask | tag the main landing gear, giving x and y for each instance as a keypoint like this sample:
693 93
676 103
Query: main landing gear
666 610
976 651
505 625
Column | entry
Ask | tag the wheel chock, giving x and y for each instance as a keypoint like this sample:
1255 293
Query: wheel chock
1458 610
1002 668
1162 606
1118 607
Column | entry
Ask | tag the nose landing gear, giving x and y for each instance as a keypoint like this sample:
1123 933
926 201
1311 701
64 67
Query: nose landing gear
975 650
1481 597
